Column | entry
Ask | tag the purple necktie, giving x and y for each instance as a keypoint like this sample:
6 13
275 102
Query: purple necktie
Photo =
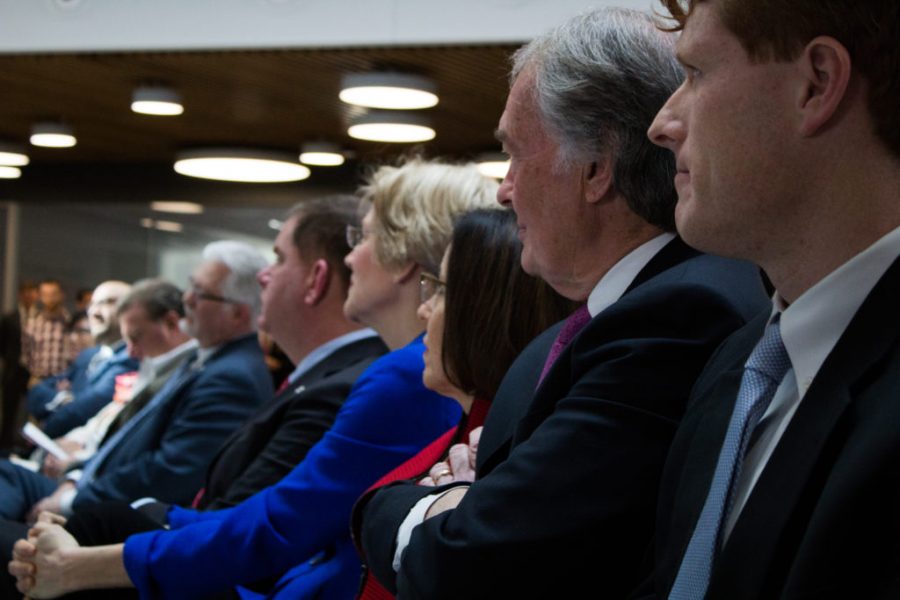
575 323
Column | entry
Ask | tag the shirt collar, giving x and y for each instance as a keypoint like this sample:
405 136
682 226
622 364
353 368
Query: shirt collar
813 324
614 283
327 349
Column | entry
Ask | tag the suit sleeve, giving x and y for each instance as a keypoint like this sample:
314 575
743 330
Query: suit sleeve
216 407
577 493
301 428
388 417
42 393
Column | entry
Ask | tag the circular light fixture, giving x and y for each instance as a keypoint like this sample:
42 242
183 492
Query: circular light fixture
321 154
177 207
51 134
388 90
156 100
240 164
13 155
10 172
395 127
493 164
169 226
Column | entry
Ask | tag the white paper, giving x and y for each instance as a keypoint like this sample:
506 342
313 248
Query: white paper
40 438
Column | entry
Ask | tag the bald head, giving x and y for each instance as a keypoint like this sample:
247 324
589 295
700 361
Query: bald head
102 311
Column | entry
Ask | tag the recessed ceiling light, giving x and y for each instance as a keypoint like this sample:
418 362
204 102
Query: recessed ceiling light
156 100
51 134
179 207
388 90
494 164
169 226
395 127
321 154
10 172
240 164
13 155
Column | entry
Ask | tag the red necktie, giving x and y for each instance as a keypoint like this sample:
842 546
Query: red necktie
575 323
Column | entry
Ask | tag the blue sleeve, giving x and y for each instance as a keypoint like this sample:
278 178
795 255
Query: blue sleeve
40 395
388 417
87 402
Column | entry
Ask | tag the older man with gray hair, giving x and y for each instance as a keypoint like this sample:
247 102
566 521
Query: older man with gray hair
568 465
164 449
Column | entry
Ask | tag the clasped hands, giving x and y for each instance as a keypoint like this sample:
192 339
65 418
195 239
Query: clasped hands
37 562
459 466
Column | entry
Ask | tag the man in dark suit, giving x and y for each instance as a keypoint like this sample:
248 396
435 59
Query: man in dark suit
68 399
302 299
164 449
782 480
567 477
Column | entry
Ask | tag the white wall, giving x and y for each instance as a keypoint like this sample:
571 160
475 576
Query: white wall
111 25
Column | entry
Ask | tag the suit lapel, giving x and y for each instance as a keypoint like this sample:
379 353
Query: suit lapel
673 253
774 517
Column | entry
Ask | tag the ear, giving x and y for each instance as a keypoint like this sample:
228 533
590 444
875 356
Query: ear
825 66
317 282
596 179
172 320
405 273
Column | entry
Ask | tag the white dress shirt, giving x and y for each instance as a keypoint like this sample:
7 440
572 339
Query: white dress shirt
810 329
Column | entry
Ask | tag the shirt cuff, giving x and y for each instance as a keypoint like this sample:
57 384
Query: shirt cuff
415 517
65 501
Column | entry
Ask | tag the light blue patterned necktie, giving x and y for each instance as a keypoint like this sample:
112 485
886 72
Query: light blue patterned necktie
763 373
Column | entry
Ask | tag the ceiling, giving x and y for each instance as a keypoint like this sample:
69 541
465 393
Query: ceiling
270 99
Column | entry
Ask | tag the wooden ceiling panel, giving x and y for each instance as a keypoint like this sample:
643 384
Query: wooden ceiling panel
276 99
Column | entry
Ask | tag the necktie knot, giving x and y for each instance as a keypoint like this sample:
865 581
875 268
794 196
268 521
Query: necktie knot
574 323
770 357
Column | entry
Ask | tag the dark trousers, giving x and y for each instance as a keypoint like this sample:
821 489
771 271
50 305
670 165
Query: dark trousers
20 489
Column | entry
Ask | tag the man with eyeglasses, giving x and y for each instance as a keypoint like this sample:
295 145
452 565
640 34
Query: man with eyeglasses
165 448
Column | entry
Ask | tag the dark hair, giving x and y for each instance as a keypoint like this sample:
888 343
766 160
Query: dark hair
156 296
492 308
322 230
51 281
82 293
780 30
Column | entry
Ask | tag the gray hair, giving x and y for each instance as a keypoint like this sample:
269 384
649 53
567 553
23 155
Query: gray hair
243 262
156 296
599 80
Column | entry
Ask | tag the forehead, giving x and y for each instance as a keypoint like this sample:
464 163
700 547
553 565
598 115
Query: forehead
284 241
104 292
704 33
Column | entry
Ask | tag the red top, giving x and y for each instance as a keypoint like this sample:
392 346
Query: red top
417 467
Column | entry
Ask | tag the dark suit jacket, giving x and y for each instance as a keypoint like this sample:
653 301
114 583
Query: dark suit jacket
92 390
170 443
567 502
823 520
267 447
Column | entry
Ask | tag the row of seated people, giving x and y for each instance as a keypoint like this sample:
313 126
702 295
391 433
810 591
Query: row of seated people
570 487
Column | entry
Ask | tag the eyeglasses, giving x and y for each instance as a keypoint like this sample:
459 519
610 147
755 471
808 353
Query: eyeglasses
201 294
356 236
430 287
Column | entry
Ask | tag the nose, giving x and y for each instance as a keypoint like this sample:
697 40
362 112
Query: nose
264 276
504 192
134 351
668 128
348 260
424 310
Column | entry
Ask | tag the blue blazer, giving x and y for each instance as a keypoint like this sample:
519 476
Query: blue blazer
164 450
92 390
303 520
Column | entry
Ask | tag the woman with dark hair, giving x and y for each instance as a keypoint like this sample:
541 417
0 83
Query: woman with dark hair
480 312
